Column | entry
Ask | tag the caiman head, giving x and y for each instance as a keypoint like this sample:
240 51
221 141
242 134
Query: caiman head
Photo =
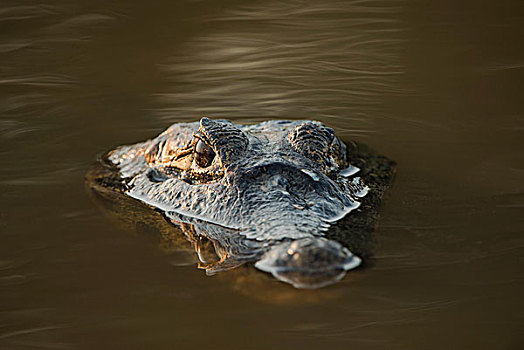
269 190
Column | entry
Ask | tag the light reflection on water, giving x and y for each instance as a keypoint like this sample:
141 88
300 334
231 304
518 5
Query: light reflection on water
434 85
331 61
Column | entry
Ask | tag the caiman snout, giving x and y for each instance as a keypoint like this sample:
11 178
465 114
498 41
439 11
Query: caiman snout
309 262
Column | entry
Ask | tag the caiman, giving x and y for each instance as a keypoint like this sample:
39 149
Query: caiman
289 197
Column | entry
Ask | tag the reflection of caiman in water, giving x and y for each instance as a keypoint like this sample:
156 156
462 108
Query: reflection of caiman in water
288 196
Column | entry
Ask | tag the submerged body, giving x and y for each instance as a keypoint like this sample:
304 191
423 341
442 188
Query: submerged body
268 193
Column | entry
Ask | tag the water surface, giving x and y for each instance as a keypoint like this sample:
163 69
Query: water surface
435 85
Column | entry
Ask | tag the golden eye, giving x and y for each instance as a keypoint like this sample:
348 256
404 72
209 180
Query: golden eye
204 154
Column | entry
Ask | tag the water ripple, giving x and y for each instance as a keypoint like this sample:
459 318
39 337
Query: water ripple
296 60
17 13
29 331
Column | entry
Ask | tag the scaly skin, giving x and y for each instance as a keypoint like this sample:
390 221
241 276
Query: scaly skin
270 193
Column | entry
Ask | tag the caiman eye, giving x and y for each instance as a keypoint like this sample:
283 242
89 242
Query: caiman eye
204 154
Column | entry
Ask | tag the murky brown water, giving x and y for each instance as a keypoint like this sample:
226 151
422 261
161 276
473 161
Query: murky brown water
435 85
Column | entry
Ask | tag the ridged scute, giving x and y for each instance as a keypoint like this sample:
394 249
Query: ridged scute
313 140
228 141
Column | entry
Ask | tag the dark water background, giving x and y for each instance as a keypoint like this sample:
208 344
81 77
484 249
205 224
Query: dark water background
436 85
